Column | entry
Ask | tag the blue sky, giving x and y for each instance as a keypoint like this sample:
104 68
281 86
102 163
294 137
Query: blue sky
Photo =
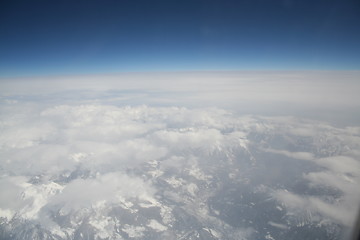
80 37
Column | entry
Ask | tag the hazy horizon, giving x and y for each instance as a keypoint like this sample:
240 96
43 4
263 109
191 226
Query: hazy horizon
192 119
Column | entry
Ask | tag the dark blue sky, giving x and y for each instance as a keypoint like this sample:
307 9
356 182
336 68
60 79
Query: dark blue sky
76 37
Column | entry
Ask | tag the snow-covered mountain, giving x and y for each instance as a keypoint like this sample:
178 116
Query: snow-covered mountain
107 172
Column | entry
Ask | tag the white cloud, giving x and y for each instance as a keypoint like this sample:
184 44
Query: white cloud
306 93
340 164
109 187
311 86
103 142
341 173
69 147
299 205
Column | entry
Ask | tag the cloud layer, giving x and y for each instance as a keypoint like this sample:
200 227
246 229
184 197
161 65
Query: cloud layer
68 158
327 95
90 158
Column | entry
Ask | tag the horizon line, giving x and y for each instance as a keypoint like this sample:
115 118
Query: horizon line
110 73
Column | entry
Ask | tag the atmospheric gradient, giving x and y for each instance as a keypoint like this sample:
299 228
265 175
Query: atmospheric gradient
231 120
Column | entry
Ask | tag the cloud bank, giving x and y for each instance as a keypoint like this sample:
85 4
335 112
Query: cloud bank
91 158
326 95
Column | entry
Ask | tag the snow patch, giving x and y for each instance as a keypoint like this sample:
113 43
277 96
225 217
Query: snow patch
213 232
133 231
192 188
103 225
278 225
158 227
174 182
